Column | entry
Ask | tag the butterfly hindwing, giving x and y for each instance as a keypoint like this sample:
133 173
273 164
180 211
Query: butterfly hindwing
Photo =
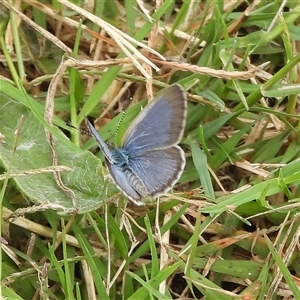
124 184
159 169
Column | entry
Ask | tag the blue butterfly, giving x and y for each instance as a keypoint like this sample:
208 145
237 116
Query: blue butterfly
149 161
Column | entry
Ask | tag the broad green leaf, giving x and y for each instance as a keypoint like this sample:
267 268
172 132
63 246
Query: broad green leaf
33 152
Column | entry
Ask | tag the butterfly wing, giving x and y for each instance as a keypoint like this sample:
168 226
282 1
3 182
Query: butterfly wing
159 169
128 187
160 124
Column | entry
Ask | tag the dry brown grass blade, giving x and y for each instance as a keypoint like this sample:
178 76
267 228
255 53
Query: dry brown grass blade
50 169
122 39
243 75
38 28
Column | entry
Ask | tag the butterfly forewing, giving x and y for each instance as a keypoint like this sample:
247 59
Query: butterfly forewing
160 124
106 151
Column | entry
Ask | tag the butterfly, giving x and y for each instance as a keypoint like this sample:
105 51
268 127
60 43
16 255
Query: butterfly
149 161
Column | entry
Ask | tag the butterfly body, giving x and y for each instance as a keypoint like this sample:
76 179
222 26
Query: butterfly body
126 165
120 157
149 162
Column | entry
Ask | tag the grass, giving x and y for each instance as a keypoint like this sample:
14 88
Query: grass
229 229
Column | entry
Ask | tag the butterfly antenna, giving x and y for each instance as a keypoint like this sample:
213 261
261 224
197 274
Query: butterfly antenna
120 122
